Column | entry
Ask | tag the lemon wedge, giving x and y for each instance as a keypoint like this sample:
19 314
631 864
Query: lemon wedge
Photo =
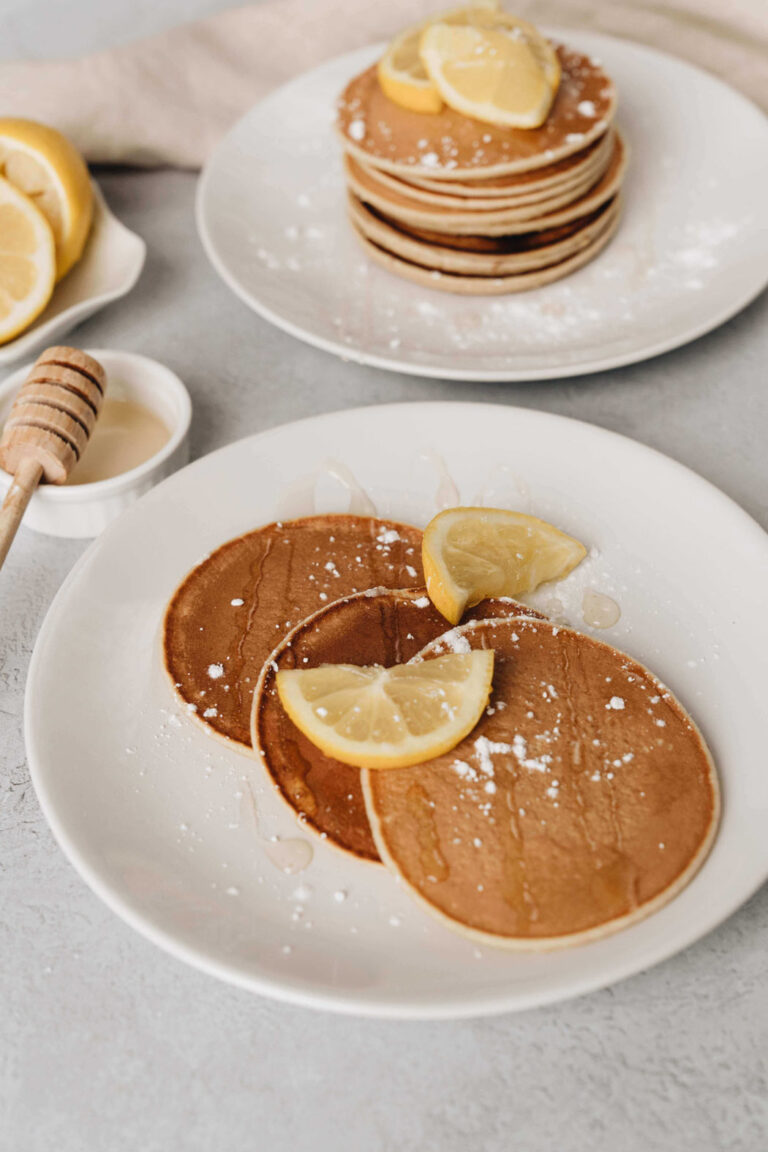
44 165
402 75
27 262
388 717
470 554
494 68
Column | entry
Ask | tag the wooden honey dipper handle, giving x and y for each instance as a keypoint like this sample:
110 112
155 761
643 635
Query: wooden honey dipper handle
25 481
48 428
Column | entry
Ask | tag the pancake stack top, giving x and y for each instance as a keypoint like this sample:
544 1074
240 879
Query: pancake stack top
468 206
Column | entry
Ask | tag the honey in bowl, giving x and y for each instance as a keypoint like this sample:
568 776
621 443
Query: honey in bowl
126 435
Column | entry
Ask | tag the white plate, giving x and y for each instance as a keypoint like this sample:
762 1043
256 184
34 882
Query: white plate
109 268
692 249
169 827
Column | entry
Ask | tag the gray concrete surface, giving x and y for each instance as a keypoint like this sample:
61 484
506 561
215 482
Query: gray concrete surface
108 1045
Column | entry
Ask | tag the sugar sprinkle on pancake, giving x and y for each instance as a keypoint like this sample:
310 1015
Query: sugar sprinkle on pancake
405 204
578 182
375 627
400 207
451 146
584 799
233 608
553 175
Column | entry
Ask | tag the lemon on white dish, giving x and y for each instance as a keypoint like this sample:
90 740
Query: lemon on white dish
109 268
27 261
42 163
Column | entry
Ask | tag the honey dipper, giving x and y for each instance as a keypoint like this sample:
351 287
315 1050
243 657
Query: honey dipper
48 428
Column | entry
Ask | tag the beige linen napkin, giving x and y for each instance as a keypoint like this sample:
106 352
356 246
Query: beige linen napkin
169 98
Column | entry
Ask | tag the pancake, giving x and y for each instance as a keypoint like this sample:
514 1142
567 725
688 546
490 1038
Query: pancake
402 208
375 627
473 285
496 245
492 257
584 800
231 610
521 183
449 146
517 195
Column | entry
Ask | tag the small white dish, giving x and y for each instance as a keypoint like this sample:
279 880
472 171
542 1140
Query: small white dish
109 268
173 830
691 249
82 510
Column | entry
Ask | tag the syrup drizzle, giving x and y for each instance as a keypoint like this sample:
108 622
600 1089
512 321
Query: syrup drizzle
446 493
503 488
599 610
290 856
300 497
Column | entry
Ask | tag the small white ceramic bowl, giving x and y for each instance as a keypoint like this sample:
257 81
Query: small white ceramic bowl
108 269
82 510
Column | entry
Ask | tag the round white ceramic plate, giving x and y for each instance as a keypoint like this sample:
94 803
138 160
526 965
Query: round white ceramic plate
691 250
174 831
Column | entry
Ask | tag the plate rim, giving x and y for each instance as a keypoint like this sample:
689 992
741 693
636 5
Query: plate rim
350 353
354 1003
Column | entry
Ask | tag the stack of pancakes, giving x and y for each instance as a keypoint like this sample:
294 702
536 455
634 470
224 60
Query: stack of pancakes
465 206
584 799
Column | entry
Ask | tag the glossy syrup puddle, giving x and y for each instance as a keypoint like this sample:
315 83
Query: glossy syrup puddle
599 610
290 855
300 497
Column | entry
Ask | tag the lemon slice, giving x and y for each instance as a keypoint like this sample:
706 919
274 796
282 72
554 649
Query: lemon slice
27 262
42 163
388 717
470 554
402 75
495 68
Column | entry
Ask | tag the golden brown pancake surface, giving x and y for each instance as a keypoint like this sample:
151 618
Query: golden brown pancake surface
449 145
584 799
233 608
376 627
